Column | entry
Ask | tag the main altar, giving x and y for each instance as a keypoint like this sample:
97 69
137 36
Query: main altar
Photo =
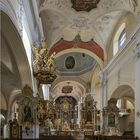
60 117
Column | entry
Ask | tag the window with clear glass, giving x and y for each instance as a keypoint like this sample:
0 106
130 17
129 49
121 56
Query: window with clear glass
122 38
119 38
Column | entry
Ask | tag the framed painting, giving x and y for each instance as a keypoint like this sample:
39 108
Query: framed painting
111 120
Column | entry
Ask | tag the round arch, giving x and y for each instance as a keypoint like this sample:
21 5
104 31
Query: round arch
78 90
126 105
14 95
71 78
123 91
11 34
80 50
90 48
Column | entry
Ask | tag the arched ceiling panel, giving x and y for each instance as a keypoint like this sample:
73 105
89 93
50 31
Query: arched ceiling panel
74 64
68 88
91 46
15 43
123 91
64 21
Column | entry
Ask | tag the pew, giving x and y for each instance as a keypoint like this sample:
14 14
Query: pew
48 138
102 137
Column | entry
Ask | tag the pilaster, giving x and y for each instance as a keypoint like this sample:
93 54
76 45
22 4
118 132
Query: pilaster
103 86
137 89
103 97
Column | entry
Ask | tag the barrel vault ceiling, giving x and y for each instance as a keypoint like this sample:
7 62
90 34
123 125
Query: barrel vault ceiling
61 20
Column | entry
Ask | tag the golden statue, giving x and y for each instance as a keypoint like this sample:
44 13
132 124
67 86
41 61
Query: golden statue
43 64
39 54
42 60
49 62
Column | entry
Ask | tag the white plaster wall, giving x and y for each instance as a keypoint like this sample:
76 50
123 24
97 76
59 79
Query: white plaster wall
3 104
123 76
124 70
127 73
19 11
97 96
112 84
121 71
95 86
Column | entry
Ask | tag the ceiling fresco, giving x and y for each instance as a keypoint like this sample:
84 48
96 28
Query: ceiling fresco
94 21
73 89
84 5
83 63
59 19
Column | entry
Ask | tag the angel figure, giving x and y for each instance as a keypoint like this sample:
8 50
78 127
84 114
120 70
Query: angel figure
49 62
39 55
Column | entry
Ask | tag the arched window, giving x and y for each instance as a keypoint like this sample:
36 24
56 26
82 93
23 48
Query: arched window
122 38
119 39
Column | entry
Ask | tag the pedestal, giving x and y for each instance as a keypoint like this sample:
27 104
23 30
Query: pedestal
30 133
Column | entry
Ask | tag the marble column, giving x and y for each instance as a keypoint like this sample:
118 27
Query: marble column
137 89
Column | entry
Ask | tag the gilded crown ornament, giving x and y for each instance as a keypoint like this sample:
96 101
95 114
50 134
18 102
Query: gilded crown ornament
43 64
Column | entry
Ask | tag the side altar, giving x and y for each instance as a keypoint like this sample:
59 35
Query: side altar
27 116
89 115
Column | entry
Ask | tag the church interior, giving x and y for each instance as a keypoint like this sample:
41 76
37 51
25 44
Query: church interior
70 69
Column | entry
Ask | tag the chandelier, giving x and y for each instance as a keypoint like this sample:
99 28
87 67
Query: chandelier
43 64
